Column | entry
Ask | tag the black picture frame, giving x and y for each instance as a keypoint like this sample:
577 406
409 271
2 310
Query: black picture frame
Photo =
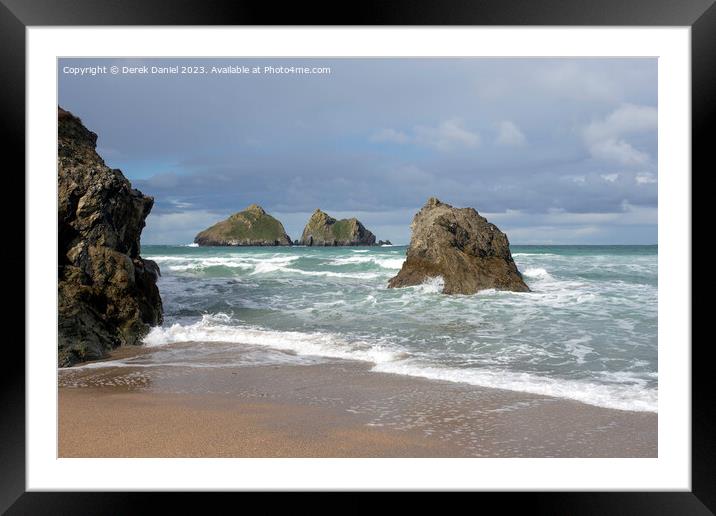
16 15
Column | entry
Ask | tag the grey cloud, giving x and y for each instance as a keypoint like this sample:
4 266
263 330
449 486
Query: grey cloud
379 136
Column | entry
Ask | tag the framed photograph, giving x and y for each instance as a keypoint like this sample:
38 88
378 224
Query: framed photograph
435 250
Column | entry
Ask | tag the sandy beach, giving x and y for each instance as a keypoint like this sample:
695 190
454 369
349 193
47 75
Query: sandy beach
336 409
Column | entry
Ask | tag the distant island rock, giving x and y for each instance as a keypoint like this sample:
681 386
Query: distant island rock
107 293
462 247
251 227
324 230
384 242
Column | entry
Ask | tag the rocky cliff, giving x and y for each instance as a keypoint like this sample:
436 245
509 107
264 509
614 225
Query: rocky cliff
324 230
253 226
462 247
107 293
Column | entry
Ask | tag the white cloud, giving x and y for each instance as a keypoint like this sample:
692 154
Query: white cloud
629 215
645 178
618 151
449 135
605 138
610 177
581 179
181 205
446 136
173 228
628 118
390 135
550 234
624 226
509 134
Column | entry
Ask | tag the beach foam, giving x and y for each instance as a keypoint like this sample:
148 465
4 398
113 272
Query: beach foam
589 324
623 391
623 397
213 328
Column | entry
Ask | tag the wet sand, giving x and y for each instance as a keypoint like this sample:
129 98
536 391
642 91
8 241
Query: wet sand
336 409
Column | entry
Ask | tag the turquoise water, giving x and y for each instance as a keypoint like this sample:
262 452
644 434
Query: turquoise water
588 331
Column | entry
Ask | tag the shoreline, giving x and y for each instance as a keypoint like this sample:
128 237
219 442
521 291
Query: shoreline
335 409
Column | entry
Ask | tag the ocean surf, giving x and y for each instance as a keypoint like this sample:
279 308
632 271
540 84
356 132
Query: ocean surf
586 332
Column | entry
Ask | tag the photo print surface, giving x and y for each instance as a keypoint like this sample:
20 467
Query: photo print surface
358 257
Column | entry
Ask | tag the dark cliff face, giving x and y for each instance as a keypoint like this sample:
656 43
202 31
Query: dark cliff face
107 294
462 247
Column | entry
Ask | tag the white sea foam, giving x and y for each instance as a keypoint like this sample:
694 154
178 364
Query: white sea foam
536 272
494 336
390 263
257 265
385 263
193 244
576 347
199 263
230 357
622 397
211 262
268 266
433 285
353 275
212 328
224 260
624 391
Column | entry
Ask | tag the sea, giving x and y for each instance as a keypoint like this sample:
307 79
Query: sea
586 332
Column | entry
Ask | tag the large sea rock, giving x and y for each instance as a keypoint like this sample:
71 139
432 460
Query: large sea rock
253 227
324 230
462 247
107 293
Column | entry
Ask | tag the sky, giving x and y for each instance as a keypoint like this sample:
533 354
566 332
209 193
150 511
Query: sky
553 151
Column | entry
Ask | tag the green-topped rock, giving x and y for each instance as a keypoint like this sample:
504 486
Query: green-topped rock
324 230
253 226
